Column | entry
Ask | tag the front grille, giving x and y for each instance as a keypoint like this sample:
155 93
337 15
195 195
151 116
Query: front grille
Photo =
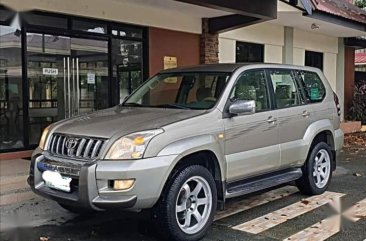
75 146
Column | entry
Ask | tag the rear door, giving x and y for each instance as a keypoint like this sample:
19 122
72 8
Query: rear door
292 114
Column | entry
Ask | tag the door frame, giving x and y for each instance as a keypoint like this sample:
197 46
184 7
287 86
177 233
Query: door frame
113 96
36 30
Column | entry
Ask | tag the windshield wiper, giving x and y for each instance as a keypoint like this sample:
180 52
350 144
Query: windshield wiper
176 106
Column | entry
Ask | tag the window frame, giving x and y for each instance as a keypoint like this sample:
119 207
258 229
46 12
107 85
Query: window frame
272 90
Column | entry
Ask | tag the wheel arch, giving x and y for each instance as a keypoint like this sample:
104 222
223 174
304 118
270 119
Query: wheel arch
201 150
321 131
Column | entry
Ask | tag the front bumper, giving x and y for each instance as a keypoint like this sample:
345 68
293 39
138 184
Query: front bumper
90 187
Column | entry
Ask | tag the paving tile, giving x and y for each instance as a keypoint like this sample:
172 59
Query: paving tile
282 215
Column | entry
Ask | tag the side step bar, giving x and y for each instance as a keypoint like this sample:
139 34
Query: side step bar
270 180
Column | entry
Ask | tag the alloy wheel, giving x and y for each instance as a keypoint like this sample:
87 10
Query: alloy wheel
321 169
193 205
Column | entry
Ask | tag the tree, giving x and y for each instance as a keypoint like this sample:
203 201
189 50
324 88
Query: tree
360 3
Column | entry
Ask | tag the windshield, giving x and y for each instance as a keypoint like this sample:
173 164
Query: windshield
180 90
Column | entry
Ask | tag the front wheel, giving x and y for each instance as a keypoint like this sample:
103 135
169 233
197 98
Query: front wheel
317 171
186 210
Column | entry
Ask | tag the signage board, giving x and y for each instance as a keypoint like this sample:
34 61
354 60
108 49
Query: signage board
50 71
170 62
91 78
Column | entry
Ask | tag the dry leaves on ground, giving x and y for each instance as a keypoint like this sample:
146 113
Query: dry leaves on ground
355 140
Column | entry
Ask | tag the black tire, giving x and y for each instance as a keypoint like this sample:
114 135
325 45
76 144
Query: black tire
306 183
76 210
164 213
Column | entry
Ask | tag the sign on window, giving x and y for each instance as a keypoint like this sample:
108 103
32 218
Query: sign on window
50 71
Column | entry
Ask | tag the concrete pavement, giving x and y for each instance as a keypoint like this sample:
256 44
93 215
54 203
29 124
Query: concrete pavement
279 214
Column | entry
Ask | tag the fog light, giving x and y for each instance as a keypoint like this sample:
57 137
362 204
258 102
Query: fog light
123 184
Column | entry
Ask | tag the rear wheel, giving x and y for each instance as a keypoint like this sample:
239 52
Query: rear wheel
186 210
317 171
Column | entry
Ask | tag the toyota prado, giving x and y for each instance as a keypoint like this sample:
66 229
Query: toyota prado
190 138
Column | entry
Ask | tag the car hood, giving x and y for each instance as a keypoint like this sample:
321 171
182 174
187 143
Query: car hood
122 120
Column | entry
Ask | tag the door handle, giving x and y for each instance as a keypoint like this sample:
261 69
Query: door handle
271 120
305 114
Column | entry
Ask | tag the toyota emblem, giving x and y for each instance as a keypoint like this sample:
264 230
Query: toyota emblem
70 144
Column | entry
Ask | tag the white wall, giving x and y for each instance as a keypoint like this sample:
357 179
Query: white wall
120 11
304 40
272 36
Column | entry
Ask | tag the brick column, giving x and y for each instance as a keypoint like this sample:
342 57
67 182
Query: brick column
209 45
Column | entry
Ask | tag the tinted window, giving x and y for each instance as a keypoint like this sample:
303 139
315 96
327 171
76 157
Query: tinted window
249 52
43 20
285 89
313 85
127 65
5 15
11 84
88 26
252 85
314 59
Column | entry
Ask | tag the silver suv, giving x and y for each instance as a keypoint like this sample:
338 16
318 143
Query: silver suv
190 138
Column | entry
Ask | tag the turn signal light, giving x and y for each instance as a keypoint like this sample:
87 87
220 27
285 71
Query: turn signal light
123 184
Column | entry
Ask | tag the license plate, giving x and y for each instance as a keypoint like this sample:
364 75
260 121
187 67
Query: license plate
56 181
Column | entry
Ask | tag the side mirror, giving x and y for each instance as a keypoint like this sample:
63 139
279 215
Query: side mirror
242 107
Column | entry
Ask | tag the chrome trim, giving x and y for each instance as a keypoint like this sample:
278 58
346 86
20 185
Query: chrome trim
96 148
68 86
86 147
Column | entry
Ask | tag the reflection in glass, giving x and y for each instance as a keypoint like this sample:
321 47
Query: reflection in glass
127 65
56 65
11 108
127 32
90 27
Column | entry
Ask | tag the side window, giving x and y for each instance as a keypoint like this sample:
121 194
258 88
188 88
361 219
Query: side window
285 90
313 85
251 85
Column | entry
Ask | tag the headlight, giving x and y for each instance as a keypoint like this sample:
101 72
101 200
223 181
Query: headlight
132 146
43 140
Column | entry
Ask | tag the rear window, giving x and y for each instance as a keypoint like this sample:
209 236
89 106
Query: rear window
313 86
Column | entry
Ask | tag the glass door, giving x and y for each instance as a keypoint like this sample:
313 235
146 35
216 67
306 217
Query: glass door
67 76
90 71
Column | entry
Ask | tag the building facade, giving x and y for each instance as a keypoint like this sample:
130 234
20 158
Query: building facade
299 38
59 59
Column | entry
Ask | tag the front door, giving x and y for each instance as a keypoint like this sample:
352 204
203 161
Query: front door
66 77
251 145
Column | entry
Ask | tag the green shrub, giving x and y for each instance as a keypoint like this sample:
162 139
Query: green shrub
360 3
357 111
